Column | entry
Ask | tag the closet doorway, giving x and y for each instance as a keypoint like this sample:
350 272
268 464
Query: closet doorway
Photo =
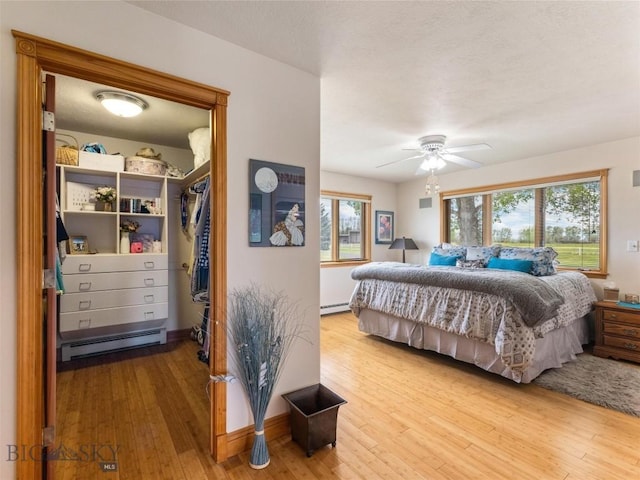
35 55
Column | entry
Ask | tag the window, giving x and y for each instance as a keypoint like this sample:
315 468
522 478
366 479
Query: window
344 228
567 213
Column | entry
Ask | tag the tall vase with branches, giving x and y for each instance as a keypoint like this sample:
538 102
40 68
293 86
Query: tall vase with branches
262 328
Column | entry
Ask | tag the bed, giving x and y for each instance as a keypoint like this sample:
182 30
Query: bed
507 322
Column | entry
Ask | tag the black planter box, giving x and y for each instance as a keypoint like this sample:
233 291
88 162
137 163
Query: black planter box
314 416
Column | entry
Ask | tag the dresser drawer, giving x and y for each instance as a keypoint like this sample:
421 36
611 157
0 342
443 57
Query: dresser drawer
112 320
114 263
618 316
630 344
76 302
622 330
107 281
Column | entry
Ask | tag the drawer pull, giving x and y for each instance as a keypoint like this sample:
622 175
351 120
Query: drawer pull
84 305
149 264
631 346
84 286
148 298
86 323
148 315
630 332
84 267
149 282
613 316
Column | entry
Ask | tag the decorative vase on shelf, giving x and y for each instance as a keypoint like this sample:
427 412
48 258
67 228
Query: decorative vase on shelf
124 242
104 206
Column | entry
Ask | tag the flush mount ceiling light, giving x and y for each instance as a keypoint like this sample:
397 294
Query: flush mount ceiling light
121 104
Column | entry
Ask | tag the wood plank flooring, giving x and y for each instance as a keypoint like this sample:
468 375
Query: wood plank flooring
411 415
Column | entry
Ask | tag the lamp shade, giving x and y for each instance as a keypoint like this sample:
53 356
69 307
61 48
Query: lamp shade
403 244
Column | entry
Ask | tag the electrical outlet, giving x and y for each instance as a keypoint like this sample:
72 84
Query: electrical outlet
632 245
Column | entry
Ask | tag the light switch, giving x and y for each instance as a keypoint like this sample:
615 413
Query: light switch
632 245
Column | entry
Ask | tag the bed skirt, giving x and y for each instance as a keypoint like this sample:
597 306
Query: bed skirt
554 349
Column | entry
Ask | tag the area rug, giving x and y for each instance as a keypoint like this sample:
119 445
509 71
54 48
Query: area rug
609 383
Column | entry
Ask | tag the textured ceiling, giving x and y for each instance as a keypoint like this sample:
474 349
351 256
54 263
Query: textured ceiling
528 78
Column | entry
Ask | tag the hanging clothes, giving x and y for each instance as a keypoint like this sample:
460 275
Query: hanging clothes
200 270
61 237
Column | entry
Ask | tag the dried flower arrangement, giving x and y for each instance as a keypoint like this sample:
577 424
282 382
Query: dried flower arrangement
262 327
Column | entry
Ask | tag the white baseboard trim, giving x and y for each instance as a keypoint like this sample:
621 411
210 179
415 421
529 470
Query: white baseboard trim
334 308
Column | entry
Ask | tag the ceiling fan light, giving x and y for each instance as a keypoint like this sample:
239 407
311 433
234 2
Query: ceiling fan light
122 104
432 162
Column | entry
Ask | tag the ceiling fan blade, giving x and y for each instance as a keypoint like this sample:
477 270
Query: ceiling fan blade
465 162
398 161
468 148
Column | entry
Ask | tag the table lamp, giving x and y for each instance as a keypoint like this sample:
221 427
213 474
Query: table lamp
404 244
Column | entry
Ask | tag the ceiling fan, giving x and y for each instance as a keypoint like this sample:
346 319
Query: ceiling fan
434 155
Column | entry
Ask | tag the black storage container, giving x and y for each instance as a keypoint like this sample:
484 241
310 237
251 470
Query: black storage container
314 416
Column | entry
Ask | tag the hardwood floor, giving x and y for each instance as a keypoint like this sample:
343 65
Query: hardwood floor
411 415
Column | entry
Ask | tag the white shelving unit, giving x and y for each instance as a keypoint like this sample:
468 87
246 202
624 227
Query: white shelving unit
112 299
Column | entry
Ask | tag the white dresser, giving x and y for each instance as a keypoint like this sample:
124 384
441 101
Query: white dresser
113 301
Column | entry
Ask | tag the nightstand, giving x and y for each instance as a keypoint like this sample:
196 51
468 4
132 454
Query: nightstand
617 331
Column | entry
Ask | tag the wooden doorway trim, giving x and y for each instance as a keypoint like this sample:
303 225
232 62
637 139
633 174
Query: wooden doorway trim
35 55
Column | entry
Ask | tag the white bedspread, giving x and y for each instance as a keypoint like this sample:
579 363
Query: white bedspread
485 317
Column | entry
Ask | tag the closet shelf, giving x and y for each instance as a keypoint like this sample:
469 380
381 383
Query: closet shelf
192 176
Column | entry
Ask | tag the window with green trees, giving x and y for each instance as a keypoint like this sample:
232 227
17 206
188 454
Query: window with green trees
344 227
567 213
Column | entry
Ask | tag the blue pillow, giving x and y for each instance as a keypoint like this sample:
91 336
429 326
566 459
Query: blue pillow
510 264
443 260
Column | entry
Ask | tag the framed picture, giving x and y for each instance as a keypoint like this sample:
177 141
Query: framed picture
276 204
78 245
384 227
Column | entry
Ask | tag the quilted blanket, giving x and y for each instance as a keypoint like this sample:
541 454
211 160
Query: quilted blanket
534 299
489 316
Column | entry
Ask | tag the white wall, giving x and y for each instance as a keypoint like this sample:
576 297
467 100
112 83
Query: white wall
273 114
336 284
621 158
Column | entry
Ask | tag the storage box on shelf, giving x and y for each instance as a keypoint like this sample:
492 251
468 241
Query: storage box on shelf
101 161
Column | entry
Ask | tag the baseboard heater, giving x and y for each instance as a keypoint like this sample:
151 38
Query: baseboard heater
88 347
334 308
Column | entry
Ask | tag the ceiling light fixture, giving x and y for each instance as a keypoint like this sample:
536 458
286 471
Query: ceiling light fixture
432 187
433 161
121 104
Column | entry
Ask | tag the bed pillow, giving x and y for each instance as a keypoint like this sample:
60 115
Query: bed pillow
442 260
510 264
451 251
482 253
470 263
542 258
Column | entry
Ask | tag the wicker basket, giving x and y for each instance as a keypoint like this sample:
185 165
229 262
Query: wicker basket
67 154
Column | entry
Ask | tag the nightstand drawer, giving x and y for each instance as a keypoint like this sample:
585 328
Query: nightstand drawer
632 345
622 330
618 316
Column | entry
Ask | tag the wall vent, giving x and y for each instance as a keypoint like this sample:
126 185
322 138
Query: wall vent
425 202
